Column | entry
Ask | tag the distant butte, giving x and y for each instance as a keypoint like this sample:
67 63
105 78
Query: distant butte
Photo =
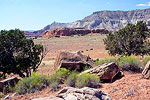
108 20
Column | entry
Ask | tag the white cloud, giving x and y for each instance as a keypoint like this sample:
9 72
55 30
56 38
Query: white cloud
148 4
141 5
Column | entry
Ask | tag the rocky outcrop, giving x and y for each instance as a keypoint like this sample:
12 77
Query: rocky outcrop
108 20
57 32
73 61
146 71
86 93
32 34
105 71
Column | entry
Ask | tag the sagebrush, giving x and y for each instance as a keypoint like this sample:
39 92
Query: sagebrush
87 80
32 84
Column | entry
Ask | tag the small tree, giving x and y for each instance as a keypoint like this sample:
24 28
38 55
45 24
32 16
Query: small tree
130 40
18 54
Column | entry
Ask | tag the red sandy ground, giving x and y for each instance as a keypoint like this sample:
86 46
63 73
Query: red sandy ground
130 87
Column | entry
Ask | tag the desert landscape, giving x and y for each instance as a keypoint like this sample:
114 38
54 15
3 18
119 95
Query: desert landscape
130 87
74 50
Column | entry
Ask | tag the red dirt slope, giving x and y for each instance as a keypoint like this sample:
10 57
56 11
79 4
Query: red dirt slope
130 87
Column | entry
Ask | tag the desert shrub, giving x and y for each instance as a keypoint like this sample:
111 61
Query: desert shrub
86 67
54 78
106 60
145 60
96 62
91 49
62 74
32 84
130 63
58 78
71 80
87 80
54 85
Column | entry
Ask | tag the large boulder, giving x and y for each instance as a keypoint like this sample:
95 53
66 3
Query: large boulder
10 82
146 71
73 61
106 71
86 93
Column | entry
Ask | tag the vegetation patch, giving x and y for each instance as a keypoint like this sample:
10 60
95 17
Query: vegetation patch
127 63
87 80
130 63
130 40
145 60
62 74
71 80
106 60
32 84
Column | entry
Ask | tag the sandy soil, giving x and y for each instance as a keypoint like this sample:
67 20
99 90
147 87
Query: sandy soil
91 45
129 87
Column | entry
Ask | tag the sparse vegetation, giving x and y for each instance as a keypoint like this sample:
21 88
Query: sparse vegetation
88 80
130 63
91 49
145 60
86 67
58 78
71 80
38 82
62 74
32 84
54 85
106 60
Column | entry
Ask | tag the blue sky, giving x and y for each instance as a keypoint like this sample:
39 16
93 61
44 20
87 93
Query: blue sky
35 14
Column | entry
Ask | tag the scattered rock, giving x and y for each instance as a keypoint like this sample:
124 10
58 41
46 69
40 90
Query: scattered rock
73 61
146 71
86 93
105 71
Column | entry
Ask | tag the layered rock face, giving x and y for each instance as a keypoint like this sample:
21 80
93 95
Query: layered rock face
70 31
113 20
109 20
